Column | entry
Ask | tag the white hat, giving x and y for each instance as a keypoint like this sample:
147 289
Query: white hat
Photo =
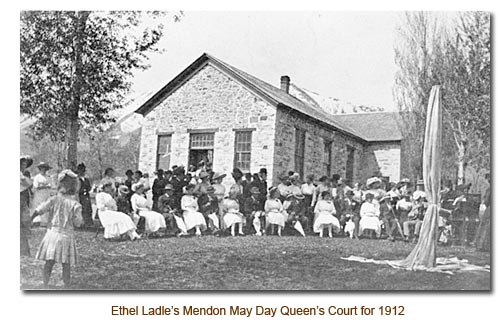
136 186
372 180
64 173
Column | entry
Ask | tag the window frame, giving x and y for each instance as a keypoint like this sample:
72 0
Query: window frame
247 151
299 151
168 150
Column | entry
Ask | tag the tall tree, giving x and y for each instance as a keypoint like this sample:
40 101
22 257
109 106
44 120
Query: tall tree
455 55
467 83
76 67
418 45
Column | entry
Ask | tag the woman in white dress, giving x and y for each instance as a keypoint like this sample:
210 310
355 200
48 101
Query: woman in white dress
140 205
42 190
275 214
193 218
231 213
370 213
325 215
115 223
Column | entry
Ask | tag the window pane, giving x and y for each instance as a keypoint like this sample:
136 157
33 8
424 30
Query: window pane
163 152
242 150
202 140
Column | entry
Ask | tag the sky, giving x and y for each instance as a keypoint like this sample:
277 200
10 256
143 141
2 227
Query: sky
346 55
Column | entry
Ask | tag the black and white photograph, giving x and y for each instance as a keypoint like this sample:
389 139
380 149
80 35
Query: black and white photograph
255 150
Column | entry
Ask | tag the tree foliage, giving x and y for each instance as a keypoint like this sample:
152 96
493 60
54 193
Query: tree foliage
76 67
453 53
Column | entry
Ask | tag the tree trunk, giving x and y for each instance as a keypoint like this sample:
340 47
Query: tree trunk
461 163
72 124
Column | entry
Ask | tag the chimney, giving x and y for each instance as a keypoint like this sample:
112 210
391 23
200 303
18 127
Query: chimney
285 83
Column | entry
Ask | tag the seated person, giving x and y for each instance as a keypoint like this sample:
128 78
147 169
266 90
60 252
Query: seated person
166 206
370 213
123 205
115 223
193 218
231 213
324 212
415 218
209 207
253 209
154 221
389 218
296 209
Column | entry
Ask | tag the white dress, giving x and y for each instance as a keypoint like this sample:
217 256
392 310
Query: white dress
42 190
154 220
231 213
115 223
275 213
369 213
192 217
324 212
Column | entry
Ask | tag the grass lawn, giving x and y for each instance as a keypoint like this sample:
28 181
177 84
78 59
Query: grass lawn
247 263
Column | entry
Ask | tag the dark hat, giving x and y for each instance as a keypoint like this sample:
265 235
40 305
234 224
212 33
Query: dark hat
128 172
237 172
44 165
263 170
323 178
254 190
159 171
28 159
81 166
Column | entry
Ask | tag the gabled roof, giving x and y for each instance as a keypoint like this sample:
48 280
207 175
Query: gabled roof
374 126
267 91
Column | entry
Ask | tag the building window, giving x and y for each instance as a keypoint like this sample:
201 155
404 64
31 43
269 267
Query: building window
201 148
201 141
349 167
242 150
327 157
163 151
300 148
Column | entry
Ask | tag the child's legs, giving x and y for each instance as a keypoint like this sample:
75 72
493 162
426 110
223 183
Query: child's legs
330 230
47 270
66 269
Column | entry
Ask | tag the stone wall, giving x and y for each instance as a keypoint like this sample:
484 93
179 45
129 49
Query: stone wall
382 159
316 134
211 100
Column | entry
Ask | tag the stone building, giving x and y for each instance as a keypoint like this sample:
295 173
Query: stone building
218 113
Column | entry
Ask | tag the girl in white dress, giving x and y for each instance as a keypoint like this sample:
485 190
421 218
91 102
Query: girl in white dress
140 205
370 213
275 214
324 212
192 217
42 190
231 214
115 223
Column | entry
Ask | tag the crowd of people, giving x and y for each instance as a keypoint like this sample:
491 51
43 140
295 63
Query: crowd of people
182 202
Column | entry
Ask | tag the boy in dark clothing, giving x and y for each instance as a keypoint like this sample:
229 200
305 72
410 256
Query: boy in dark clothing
253 209
209 206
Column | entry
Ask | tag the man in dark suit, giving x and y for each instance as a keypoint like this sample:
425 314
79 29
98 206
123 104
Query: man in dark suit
84 196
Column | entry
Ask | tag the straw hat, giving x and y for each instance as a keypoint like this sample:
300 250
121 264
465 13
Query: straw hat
218 175
123 189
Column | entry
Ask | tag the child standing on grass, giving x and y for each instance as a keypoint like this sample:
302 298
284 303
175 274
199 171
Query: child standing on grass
63 213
